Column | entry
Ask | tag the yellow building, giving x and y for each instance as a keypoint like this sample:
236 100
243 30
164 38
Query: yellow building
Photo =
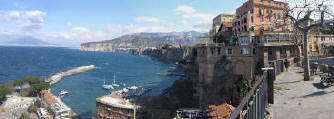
219 20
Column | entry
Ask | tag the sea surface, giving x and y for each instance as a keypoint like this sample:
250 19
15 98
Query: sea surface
84 88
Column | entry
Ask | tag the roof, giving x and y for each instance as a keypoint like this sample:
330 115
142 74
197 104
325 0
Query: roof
116 100
223 111
48 97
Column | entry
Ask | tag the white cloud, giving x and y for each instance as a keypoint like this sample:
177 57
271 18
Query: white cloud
83 34
184 9
192 20
143 19
28 20
201 18
184 22
129 29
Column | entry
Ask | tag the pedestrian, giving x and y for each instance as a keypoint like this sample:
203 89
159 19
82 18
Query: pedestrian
286 63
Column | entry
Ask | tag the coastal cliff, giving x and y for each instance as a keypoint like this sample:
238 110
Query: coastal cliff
170 55
145 40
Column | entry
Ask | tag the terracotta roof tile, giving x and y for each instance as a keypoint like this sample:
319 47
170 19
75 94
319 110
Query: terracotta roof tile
221 111
48 97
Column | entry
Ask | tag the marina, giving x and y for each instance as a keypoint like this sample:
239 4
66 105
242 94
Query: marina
83 88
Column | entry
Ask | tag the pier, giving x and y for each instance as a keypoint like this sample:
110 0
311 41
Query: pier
60 107
58 76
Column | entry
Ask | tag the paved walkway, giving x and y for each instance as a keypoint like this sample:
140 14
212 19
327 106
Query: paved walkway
297 99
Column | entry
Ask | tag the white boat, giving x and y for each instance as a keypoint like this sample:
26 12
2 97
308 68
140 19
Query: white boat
114 84
133 87
125 90
107 86
63 92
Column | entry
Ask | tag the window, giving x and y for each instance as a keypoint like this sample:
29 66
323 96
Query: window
269 3
261 11
244 40
252 19
275 16
212 50
269 18
251 11
262 28
279 16
262 19
218 51
252 28
269 11
244 51
253 39
229 51
261 1
276 4
254 51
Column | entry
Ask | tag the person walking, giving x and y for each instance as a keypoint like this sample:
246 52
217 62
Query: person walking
287 63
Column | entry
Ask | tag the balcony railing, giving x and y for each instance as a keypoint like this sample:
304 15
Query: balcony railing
253 105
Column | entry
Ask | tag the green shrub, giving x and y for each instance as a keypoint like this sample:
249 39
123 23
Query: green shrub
4 90
24 115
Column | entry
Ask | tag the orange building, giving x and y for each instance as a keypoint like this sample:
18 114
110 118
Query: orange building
256 16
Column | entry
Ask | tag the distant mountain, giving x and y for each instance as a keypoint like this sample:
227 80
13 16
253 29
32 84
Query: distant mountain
142 40
22 41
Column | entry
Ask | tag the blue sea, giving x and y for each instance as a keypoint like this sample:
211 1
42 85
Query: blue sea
84 88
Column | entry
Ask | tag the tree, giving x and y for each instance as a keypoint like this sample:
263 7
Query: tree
36 88
31 79
305 16
18 82
222 36
4 90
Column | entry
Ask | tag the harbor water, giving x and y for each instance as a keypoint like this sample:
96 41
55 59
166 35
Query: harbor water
84 88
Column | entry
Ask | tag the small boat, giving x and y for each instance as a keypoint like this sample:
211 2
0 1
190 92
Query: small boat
133 87
114 83
125 90
63 92
107 86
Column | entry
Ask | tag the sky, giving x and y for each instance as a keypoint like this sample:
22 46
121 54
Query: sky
78 21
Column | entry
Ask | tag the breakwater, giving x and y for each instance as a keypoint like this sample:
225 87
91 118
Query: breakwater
54 78
58 76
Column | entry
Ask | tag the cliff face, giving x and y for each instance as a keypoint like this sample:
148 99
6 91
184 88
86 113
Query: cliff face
143 40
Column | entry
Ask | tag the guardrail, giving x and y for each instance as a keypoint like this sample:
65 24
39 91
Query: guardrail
253 105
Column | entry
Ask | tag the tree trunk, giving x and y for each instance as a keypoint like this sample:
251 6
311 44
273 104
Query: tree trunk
306 59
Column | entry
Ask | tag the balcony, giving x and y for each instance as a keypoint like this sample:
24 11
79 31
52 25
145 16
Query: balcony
276 39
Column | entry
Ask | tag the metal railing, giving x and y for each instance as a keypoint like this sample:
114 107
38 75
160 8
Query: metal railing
253 105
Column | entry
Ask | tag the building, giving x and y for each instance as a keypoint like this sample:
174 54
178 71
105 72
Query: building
61 111
43 114
190 113
222 20
320 43
220 111
256 16
262 41
116 106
